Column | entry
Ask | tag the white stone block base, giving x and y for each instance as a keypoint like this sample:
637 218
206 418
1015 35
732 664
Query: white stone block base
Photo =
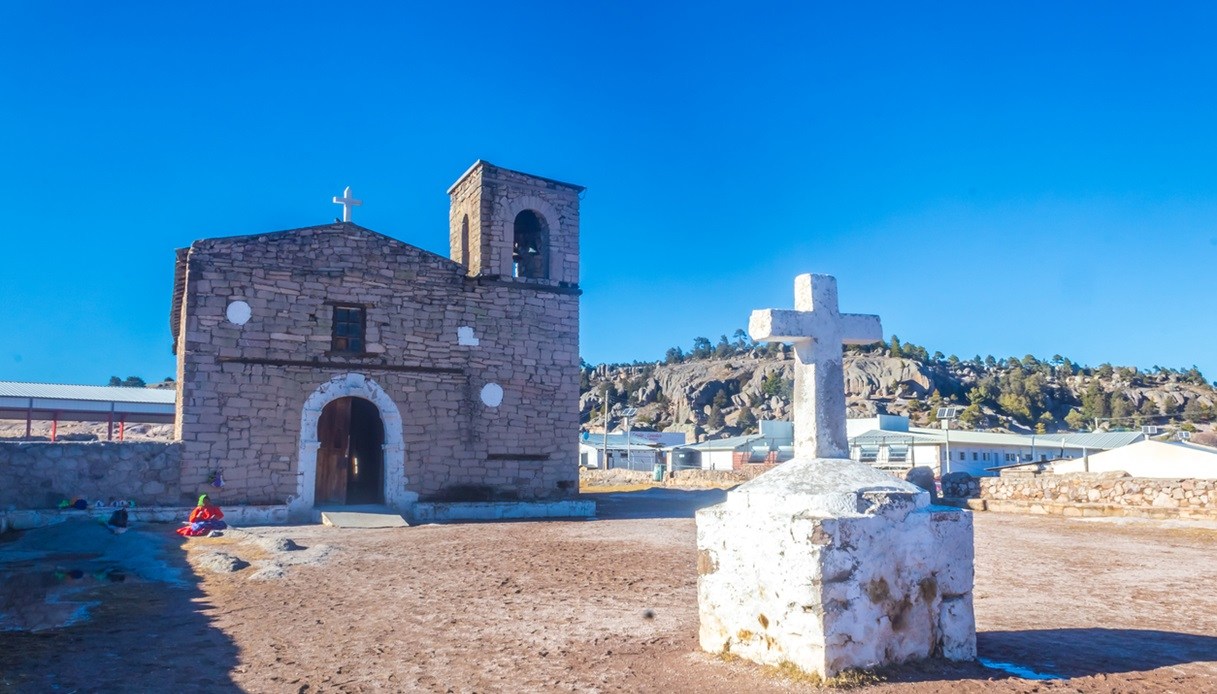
831 565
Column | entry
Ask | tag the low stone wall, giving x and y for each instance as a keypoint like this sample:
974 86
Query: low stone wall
960 485
40 475
1096 494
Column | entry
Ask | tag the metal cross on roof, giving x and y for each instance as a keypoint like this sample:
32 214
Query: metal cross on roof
347 203
817 329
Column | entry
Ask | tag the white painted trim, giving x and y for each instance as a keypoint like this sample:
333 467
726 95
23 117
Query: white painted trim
394 459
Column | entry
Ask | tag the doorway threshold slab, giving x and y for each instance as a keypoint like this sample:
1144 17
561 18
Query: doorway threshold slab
368 516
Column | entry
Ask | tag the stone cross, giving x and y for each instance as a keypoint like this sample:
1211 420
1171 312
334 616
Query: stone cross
818 330
347 203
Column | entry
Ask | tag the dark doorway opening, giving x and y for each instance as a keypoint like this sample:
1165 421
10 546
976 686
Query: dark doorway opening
350 459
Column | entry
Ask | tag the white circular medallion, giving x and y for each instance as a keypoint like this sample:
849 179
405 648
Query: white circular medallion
238 313
492 394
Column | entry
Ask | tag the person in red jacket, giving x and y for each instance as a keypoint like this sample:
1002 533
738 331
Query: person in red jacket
205 518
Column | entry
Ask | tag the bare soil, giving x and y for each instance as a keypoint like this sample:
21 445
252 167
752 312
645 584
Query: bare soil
606 605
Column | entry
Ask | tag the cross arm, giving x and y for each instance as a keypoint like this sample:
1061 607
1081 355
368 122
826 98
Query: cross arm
777 325
860 329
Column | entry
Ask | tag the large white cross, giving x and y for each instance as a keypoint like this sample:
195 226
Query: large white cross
817 329
347 203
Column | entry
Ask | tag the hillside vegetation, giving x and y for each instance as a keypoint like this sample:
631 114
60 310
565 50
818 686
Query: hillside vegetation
725 388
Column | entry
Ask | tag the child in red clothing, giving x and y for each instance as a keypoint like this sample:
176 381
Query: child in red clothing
205 518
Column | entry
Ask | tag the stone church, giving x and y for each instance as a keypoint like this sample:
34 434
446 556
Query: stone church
333 365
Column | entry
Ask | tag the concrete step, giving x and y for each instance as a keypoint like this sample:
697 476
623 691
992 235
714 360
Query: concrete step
362 517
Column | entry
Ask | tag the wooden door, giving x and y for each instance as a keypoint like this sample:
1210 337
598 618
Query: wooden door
334 434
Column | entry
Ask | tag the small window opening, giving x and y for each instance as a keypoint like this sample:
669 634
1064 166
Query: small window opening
348 329
529 252
465 241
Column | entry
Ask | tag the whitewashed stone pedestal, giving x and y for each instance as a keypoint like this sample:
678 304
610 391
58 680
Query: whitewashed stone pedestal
831 565
826 563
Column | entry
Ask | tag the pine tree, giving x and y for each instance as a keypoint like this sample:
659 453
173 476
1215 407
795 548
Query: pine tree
746 420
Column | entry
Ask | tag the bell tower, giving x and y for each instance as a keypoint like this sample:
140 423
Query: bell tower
509 225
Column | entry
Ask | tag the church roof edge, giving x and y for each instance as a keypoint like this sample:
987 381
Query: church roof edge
330 227
483 163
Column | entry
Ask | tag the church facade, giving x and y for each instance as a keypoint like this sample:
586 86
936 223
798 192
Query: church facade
332 365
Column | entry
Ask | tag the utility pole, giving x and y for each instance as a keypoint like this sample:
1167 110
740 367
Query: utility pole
945 415
628 413
604 438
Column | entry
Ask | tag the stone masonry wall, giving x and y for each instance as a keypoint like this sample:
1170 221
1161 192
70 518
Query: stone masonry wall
242 387
491 197
40 475
466 201
1120 494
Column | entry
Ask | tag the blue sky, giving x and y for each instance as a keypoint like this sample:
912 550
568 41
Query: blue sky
1030 178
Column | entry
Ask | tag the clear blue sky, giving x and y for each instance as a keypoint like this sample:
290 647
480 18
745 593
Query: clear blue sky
1029 178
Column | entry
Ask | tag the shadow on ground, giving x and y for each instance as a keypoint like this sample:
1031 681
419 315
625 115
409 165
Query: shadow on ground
1083 652
82 609
656 502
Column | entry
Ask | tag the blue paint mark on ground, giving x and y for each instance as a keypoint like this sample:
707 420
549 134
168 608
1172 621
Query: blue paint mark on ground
1018 670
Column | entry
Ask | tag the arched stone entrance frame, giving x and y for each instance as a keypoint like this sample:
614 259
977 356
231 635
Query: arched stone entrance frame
548 215
358 386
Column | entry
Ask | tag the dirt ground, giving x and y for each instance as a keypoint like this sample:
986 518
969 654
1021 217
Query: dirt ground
603 606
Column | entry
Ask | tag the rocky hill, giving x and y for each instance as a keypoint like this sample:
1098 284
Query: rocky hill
720 391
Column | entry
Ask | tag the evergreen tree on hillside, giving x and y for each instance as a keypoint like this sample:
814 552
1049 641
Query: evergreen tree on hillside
746 420
1121 410
1074 420
724 348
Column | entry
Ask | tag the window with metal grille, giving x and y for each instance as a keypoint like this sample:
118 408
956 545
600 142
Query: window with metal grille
348 329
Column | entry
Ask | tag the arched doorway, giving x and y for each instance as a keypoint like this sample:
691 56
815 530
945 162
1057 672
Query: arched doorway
350 453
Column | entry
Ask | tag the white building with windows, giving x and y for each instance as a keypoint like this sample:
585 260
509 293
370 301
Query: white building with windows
888 442
632 452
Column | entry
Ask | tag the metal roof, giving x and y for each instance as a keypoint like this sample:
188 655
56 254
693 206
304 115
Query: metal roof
58 391
1104 439
616 441
881 436
731 443
1100 440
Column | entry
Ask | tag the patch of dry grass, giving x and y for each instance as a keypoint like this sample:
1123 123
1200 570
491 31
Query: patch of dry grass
786 670
612 488
850 679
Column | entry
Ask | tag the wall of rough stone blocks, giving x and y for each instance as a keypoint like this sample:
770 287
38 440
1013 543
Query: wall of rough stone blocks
1095 493
40 475
468 249
491 197
244 417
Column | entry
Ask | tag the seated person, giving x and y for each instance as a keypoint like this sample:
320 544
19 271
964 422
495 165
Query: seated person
205 518
118 522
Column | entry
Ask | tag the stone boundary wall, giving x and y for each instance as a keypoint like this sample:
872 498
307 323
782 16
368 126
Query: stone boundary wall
1094 494
680 478
40 475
